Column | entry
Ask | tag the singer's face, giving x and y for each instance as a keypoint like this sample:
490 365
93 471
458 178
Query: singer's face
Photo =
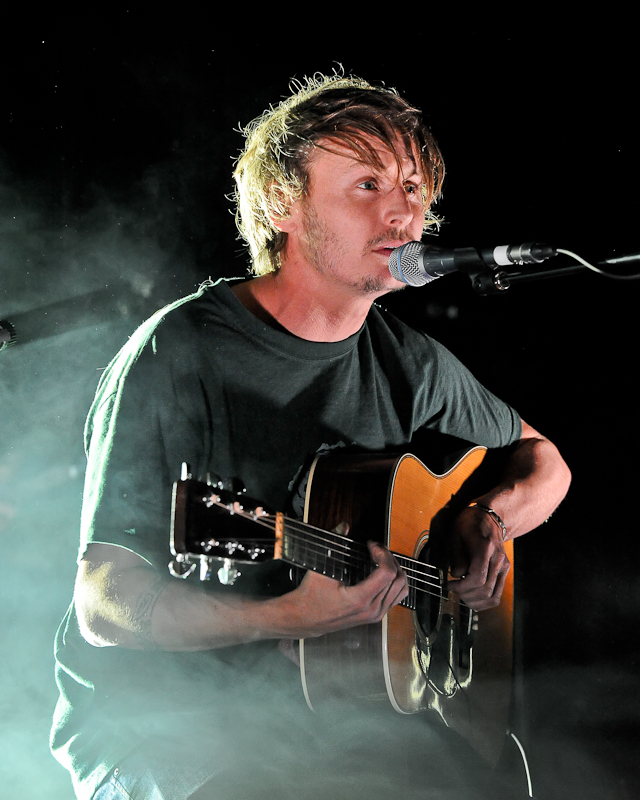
353 216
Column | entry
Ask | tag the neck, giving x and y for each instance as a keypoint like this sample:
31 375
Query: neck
306 305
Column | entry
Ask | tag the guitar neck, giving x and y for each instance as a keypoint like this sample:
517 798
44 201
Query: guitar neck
295 542
327 552
345 559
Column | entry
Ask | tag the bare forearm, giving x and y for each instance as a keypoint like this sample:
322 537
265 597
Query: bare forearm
534 483
122 601
186 618
141 609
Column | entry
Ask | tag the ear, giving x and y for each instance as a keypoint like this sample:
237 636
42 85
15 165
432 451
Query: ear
285 224
283 212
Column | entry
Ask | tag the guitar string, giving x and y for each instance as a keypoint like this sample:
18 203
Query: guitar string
414 576
316 554
348 556
413 582
320 534
357 554
360 557
342 543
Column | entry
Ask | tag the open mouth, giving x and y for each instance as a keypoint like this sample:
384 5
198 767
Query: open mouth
385 251
389 246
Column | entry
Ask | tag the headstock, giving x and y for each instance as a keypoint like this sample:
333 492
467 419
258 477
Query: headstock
214 524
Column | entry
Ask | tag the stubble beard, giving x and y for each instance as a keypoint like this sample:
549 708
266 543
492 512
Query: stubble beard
323 251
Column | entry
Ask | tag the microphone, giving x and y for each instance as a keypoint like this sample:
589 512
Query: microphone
418 264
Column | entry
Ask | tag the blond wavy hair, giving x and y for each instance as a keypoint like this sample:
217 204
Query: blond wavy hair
272 170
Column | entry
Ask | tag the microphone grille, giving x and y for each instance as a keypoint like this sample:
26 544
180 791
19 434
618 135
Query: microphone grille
404 264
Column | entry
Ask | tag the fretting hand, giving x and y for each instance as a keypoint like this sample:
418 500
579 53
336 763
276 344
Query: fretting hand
323 605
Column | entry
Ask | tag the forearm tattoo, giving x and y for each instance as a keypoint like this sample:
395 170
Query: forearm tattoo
143 612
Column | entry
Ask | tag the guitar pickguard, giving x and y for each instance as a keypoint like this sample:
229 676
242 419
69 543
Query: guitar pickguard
443 636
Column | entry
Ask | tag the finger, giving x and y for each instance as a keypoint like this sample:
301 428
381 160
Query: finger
398 591
481 578
476 574
386 563
486 564
389 581
482 597
383 559
378 552
499 566
386 599
500 584
458 560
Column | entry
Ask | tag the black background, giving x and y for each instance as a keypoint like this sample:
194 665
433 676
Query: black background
117 138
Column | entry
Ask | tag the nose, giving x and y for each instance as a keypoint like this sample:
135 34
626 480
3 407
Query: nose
399 207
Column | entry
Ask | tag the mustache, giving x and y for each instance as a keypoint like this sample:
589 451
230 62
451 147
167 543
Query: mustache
393 234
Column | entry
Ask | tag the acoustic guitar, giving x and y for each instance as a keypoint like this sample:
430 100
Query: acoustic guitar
431 652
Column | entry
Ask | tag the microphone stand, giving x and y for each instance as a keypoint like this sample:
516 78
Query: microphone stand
488 279
87 310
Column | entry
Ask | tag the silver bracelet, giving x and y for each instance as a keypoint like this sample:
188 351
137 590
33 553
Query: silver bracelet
494 516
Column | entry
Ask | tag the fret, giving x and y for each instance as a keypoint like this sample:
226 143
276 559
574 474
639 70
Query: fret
348 561
319 550
295 550
409 600
325 552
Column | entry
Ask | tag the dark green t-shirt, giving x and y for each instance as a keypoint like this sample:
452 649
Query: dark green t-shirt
205 382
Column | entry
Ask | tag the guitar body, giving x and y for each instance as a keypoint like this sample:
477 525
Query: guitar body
436 654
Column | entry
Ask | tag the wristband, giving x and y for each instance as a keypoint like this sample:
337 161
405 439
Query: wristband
494 516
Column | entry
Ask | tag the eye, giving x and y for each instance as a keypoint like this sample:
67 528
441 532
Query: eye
368 185
411 188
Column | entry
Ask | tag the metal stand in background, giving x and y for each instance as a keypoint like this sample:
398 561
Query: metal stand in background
487 279
117 301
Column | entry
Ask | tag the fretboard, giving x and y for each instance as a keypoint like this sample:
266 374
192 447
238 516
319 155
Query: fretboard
348 561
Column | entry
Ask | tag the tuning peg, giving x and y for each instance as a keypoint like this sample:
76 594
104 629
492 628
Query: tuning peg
185 472
234 485
214 480
228 574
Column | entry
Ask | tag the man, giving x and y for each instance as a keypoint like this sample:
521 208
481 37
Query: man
167 686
